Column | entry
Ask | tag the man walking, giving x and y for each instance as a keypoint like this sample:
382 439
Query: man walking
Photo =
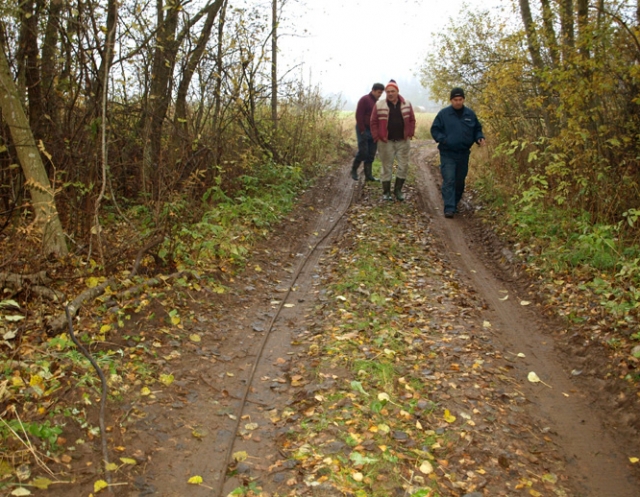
393 124
366 146
456 128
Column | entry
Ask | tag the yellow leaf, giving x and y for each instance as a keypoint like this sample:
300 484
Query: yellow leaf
21 491
525 302
426 468
166 379
41 483
448 417
105 328
93 282
534 493
383 396
128 460
100 485
357 476
195 480
257 269
486 324
240 456
145 391
195 338
175 320
111 466
633 460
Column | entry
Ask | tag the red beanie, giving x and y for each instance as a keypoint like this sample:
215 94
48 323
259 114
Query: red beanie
393 83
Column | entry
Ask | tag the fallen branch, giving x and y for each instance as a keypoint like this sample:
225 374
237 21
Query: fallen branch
18 280
103 397
56 326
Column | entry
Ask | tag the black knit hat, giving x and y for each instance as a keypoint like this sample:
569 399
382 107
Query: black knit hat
456 92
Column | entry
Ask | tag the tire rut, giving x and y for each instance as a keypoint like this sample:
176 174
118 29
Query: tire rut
594 458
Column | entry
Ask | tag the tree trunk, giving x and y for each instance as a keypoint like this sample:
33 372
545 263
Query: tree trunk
549 31
583 27
42 195
566 26
30 64
533 45
192 64
274 64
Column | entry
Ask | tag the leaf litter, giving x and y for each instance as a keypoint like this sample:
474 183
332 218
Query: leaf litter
415 396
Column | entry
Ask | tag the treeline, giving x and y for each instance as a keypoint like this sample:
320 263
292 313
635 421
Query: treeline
561 97
138 104
557 86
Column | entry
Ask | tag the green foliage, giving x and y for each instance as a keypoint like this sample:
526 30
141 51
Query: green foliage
562 120
43 431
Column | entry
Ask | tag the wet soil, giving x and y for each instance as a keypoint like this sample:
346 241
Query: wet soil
232 389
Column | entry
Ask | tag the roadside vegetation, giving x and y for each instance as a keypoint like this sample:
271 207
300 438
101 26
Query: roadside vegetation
162 166
402 375
558 96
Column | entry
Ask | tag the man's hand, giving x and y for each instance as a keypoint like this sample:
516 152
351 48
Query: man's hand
482 142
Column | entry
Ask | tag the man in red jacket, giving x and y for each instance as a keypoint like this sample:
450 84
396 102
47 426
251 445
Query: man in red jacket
366 146
393 125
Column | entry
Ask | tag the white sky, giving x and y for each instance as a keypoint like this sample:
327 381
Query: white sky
352 44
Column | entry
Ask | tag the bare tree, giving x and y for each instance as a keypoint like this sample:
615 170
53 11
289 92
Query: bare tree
42 195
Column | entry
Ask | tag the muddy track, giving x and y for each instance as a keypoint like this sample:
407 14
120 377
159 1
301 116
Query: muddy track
233 389
247 352
596 459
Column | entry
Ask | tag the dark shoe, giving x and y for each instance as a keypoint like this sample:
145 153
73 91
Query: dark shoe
367 172
397 189
354 170
448 215
386 190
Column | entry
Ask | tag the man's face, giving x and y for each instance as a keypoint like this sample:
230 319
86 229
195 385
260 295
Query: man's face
376 94
457 102
392 94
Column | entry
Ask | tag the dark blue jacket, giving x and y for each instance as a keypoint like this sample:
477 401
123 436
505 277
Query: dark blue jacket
456 134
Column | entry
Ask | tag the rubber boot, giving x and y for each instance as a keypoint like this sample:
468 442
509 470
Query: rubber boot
386 190
368 174
354 169
397 189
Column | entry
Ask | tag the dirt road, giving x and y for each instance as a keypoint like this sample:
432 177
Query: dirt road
235 385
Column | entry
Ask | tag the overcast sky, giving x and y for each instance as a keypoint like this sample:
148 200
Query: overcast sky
350 44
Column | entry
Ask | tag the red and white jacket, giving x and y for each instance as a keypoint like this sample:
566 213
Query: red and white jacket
380 118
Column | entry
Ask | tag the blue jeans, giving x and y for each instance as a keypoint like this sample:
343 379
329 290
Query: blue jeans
454 169
366 147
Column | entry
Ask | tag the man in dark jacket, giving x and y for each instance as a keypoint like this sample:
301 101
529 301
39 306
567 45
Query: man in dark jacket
456 128
366 146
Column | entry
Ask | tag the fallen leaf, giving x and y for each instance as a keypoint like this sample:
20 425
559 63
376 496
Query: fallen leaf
166 379
525 302
534 378
448 417
195 480
21 491
633 460
195 338
128 460
240 456
100 485
41 483
486 324
426 468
